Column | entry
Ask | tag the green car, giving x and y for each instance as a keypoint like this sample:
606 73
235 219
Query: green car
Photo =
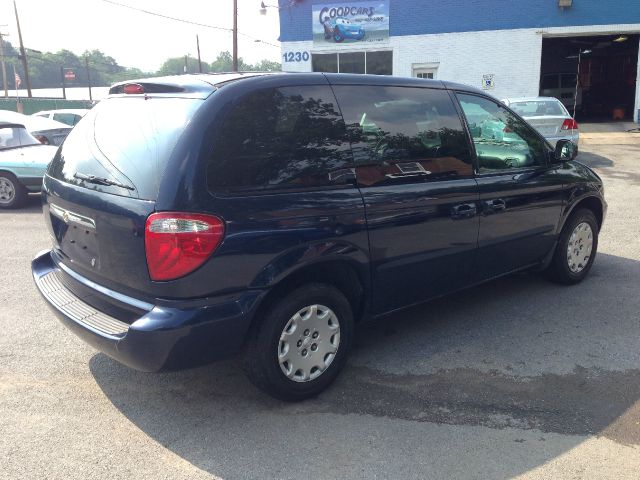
23 162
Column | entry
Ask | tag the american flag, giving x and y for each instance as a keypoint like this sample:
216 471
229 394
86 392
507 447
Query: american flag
18 80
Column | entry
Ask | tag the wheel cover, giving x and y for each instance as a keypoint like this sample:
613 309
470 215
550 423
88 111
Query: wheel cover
309 343
579 247
7 190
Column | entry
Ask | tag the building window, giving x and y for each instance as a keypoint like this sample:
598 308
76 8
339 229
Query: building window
372 63
325 62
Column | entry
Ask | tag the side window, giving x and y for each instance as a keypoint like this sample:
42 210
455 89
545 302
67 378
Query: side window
401 132
291 137
66 118
502 140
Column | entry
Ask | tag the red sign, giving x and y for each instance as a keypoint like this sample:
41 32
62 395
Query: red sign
69 75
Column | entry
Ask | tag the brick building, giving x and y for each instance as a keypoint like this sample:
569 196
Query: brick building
508 47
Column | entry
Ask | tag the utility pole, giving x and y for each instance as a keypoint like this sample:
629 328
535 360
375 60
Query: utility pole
4 66
64 90
199 60
186 65
23 53
86 63
235 35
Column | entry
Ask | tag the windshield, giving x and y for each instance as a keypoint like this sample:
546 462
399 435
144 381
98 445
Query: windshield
540 108
12 137
126 141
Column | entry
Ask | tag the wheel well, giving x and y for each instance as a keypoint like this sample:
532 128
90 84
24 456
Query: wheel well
594 204
338 274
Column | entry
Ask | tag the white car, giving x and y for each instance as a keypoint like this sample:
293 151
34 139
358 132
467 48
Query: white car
547 115
23 162
47 131
69 116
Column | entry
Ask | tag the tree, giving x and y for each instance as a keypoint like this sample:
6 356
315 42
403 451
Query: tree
224 63
175 66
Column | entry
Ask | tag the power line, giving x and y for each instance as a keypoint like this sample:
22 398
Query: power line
156 14
183 20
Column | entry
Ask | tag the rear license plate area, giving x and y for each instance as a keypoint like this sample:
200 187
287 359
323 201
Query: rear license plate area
75 236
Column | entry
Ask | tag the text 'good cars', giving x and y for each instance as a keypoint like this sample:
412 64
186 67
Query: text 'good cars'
196 216
23 161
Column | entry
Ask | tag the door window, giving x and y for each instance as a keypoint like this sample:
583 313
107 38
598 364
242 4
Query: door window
67 118
502 140
291 137
404 133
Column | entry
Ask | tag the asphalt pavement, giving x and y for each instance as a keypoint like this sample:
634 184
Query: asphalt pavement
517 378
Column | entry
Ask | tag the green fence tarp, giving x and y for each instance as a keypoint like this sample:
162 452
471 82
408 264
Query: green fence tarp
33 105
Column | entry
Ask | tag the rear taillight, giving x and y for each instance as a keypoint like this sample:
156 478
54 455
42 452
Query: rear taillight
133 89
570 124
42 139
178 243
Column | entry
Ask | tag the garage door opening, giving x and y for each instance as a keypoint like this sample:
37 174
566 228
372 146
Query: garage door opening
596 75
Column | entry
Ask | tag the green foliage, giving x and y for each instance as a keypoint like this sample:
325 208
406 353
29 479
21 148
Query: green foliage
44 67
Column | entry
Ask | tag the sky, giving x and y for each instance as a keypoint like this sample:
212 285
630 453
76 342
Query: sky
137 39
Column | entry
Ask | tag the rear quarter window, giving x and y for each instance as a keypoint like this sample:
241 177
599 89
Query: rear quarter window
279 138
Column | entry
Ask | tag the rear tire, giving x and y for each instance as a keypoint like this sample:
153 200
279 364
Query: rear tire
12 193
576 249
302 343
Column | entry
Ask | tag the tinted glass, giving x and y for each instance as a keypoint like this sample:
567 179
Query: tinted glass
502 140
550 81
68 118
379 63
127 140
352 62
568 80
538 108
325 62
291 137
410 132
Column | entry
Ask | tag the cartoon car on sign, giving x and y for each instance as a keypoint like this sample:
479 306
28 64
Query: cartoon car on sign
340 29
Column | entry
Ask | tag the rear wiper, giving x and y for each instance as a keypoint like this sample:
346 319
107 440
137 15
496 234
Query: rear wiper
100 180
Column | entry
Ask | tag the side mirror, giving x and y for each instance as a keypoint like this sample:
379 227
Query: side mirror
565 150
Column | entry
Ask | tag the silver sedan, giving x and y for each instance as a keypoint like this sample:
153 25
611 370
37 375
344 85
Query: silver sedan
547 115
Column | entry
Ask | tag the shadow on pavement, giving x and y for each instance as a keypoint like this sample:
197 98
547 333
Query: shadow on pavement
32 205
517 352
593 160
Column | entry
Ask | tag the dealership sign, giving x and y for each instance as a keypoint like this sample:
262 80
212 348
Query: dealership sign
347 23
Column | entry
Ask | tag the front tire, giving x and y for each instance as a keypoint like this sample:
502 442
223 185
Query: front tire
12 193
576 249
302 343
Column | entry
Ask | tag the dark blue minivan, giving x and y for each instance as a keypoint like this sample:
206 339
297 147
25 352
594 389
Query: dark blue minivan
196 216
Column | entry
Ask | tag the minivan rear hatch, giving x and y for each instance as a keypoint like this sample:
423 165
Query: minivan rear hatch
103 183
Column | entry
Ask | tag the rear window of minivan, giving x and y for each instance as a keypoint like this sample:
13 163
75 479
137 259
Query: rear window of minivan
126 140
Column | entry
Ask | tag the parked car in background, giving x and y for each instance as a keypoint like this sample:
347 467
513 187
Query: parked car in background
195 215
547 115
68 116
341 29
563 87
47 131
23 161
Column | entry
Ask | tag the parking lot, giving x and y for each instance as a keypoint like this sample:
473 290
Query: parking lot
515 378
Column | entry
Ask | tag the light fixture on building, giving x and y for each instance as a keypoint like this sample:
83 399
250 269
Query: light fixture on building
621 38
264 6
565 3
